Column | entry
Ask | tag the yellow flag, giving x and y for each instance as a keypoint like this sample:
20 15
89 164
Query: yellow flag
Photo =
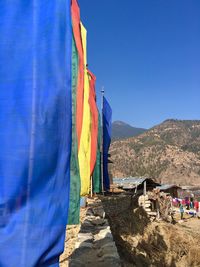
85 140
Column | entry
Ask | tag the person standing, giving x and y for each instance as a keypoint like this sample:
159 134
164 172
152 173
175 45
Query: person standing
196 205
187 203
192 201
181 210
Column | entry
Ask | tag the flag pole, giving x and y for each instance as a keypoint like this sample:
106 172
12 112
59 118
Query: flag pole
102 95
91 189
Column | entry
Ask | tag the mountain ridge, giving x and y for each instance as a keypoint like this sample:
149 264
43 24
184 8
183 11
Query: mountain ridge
122 130
168 152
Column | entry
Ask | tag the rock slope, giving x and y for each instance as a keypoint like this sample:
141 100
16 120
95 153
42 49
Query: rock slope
169 152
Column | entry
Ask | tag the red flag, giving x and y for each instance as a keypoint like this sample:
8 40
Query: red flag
80 85
94 120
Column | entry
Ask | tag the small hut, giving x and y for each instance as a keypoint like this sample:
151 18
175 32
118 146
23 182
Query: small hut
137 184
169 188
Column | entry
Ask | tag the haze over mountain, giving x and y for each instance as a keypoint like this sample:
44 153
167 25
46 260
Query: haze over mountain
169 152
122 130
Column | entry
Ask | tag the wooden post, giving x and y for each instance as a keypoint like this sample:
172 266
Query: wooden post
91 189
145 188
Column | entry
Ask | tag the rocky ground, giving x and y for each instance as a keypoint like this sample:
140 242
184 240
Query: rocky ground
139 242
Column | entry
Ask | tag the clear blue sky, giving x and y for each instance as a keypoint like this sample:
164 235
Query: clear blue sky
147 55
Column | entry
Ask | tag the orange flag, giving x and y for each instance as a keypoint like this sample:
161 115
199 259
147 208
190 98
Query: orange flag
94 120
80 85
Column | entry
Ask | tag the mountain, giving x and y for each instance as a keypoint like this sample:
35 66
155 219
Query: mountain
122 130
169 152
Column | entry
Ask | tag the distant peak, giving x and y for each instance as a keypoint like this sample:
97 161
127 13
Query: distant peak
121 130
119 123
171 120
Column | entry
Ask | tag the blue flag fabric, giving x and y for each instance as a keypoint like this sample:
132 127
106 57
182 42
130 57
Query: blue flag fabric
35 130
107 125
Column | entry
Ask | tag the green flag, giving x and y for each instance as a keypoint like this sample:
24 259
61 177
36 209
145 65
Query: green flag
74 203
97 169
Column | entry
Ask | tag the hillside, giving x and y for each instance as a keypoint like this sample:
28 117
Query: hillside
121 130
169 152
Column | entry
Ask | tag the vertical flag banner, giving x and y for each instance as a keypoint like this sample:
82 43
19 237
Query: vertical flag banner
107 126
97 188
85 141
80 84
35 130
94 121
74 207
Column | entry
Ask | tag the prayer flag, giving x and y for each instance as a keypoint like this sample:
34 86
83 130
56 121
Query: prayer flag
97 188
107 125
74 203
84 154
35 130
94 121
80 83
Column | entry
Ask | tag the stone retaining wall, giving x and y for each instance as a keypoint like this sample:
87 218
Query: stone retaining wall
95 245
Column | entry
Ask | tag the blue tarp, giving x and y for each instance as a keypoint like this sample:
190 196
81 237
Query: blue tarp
107 125
35 130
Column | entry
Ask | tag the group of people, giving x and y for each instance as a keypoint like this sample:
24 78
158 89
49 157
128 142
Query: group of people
189 204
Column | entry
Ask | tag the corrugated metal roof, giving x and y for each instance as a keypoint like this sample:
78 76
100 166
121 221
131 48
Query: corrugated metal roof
166 186
129 180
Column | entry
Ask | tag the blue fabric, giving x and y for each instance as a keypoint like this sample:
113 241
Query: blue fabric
35 130
107 125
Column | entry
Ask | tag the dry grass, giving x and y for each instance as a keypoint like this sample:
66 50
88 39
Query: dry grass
157 244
